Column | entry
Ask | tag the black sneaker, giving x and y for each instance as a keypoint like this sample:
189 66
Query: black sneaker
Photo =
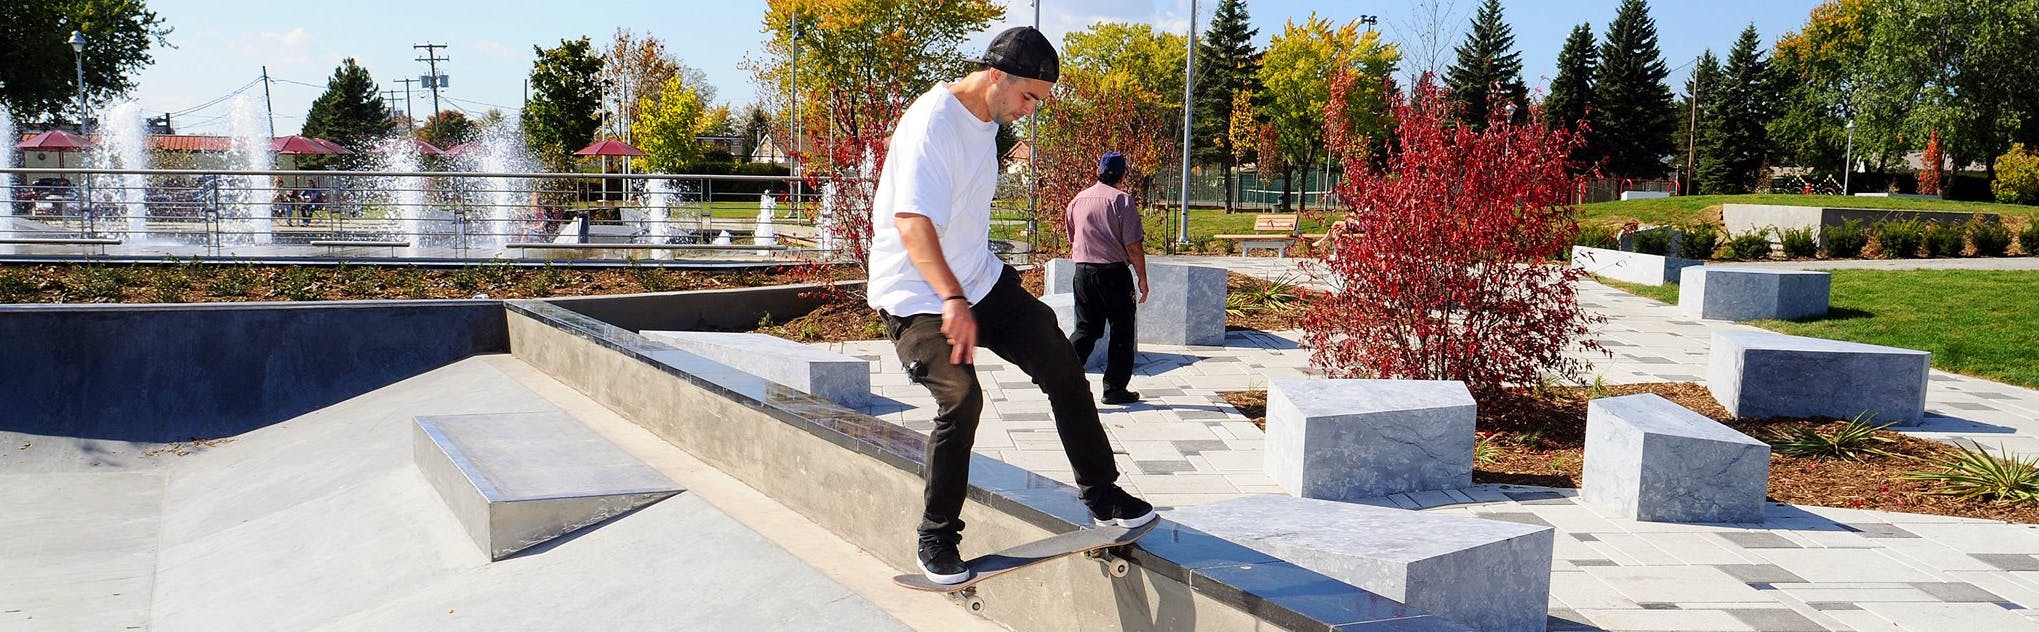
1121 396
939 560
1114 506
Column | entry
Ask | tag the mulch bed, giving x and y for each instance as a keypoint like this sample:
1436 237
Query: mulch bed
194 282
1540 440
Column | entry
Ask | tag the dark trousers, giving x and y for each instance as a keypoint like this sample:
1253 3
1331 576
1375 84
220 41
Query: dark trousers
1021 329
1104 296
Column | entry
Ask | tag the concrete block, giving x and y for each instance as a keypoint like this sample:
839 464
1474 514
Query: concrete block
1185 304
1741 218
819 372
1484 574
518 480
1650 459
1720 293
1643 195
1064 305
1764 374
1351 439
1631 267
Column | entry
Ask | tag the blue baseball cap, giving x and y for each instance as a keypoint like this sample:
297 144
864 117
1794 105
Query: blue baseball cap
1112 161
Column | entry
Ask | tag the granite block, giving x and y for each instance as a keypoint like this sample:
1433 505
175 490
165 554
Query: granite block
1352 439
1763 374
1753 293
1648 458
828 375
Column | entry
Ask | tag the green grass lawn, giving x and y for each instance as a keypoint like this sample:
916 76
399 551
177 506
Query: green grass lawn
1983 323
1684 209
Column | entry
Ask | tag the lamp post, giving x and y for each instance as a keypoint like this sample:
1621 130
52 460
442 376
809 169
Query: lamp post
84 190
1188 95
793 151
1848 160
1034 160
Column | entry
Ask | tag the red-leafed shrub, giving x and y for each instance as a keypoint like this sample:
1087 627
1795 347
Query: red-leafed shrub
1444 266
1929 174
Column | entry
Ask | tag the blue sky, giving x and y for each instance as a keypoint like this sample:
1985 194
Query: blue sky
221 45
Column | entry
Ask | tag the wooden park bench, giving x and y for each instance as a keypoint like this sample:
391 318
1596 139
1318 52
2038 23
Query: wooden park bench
1271 231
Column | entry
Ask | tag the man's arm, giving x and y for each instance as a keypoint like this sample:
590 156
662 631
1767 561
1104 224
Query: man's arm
1136 253
924 248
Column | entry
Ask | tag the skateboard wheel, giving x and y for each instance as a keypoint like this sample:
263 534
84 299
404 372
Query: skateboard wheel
1120 568
974 604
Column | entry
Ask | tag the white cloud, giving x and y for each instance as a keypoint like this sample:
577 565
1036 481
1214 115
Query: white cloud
287 48
494 49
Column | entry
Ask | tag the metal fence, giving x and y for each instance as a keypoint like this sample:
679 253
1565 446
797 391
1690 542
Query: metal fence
167 212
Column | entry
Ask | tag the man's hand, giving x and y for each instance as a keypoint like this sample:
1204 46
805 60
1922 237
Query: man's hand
1143 289
960 326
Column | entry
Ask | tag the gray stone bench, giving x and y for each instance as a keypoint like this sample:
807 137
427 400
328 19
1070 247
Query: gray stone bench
1484 574
1185 304
1753 293
819 372
1762 374
1631 267
1650 459
517 480
1351 439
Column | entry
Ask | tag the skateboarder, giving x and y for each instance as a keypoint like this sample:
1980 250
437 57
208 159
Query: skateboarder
1104 237
941 293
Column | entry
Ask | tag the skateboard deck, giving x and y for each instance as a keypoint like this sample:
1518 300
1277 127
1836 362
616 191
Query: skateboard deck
1080 541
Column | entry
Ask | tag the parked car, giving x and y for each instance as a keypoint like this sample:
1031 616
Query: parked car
48 195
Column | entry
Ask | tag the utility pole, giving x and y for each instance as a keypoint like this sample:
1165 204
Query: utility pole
408 112
1188 96
267 108
1033 160
432 58
390 96
794 152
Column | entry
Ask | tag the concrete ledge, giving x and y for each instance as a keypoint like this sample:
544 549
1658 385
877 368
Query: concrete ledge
1631 267
736 309
1742 218
163 373
1650 459
819 372
1763 374
517 480
859 477
1351 439
1719 293
1485 574
1643 195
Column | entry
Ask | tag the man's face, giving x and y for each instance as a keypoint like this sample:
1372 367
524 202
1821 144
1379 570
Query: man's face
1014 97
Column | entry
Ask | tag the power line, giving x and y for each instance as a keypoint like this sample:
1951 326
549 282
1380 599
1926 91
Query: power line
217 101
432 57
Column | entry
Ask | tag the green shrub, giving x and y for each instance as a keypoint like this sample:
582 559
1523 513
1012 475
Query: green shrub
1852 441
2028 239
234 280
1846 240
1799 243
300 283
1991 239
1975 473
1652 242
16 286
1899 239
1698 240
2017 176
97 283
1945 239
168 285
1596 237
1754 244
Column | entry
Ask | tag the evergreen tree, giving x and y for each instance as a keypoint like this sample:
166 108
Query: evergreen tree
1734 140
1226 65
1702 89
566 102
1571 92
1488 69
350 112
1633 119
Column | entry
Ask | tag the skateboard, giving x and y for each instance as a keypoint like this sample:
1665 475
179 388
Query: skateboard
1095 543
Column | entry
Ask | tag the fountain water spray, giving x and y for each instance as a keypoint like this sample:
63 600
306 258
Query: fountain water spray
251 195
405 193
7 161
123 144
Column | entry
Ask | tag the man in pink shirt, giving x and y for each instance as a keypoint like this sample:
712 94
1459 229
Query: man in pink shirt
1105 238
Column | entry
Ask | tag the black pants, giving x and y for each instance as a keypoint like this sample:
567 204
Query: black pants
1104 296
1021 329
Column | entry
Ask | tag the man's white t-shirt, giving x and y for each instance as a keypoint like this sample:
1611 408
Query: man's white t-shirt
942 163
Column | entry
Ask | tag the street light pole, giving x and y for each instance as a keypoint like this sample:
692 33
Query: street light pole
84 182
1188 93
1033 160
1848 161
792 152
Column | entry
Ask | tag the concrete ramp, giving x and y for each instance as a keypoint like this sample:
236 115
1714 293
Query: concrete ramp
518 480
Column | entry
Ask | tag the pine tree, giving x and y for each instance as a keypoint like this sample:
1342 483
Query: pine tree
1633 119
566 101
350 112
1571 92
1226 65
1735 141
1703 89
1488 69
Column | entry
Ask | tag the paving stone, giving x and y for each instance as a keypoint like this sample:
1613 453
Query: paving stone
1962 592
1758 540
1775 620
1760 573
2008 561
